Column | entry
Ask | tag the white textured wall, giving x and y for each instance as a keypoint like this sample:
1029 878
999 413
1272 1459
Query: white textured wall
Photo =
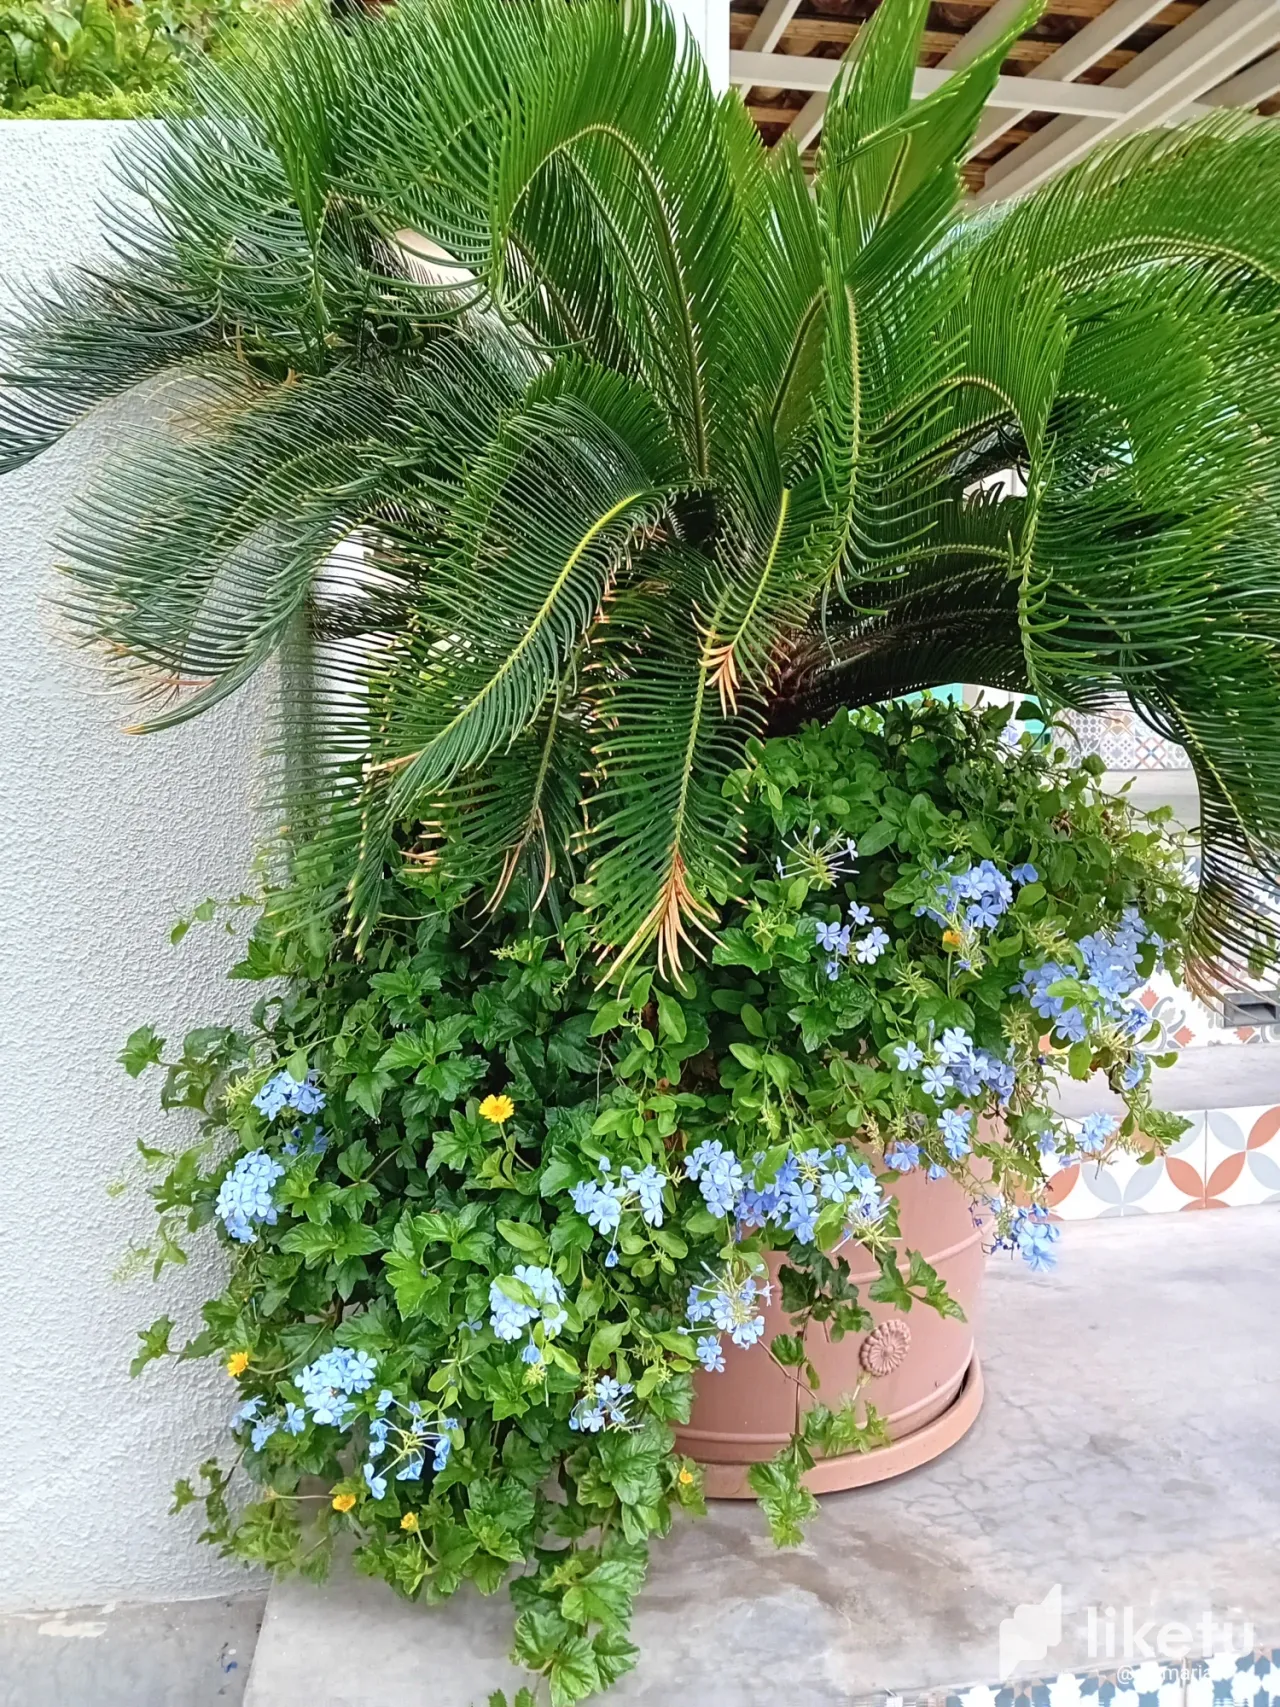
104 839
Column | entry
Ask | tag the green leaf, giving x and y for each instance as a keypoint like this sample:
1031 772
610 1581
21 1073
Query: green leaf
604 1595
155 1343
522 1236
604 1343
671 1020
749 1056
786 1504
142 1049
609 1015
572 1672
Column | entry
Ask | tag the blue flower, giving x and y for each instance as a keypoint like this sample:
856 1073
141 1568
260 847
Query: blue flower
709 1353
828 936
936 1082
444 1446
247 1411
936 1170
903 1157
262 1432
909 1056
509 1318
1135 1072
611 1258
647 1185
245 1195
858 914
282 1091
983 915
377 1484
718 1174
1071 1025
295 1418
954 1124
956 1045
1095 1130
411 1470
531 1354
274 1095
605 1404
872 946
1035 1243
326 1384
601 1203
1025 874
832 969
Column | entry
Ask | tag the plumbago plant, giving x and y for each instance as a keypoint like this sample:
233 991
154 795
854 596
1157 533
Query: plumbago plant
488 1220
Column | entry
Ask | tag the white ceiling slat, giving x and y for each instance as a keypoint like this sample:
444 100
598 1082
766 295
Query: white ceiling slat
770 26
1196 56
1099 37
793 71
1259 83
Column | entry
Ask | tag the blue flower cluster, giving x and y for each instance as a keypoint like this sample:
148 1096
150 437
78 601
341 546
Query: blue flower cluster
1110 977
283 1091
245 1195
793 1200
509 1318
292 1421
733 1306
955 1064
718 1174
977 897
1094 1131
317 1147
1027 1229
603 1201
805 1182
604 1406
413 1439
327 1384
836 939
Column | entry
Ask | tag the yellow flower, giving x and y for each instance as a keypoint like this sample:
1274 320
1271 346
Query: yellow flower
497 1109
343 1502
410 1522
953 939
686 1478
237 1363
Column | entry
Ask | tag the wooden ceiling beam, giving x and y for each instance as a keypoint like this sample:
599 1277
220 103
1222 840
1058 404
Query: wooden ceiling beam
768 28
813 75
1188 62
1101 36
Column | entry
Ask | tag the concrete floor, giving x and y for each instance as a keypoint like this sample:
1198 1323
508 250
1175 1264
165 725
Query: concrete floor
1128 1452
1220 1075
185 1653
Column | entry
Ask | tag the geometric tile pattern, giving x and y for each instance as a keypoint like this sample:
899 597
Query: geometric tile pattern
1125 743
1228 1158
1218 1680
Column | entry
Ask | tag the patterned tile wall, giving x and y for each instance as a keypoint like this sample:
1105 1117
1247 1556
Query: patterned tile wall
1125 743
1217 1680
1226 1159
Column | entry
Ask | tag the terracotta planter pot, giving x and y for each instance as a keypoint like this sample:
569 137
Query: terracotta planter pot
923 1375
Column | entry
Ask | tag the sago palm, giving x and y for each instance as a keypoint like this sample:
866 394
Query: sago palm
582 439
